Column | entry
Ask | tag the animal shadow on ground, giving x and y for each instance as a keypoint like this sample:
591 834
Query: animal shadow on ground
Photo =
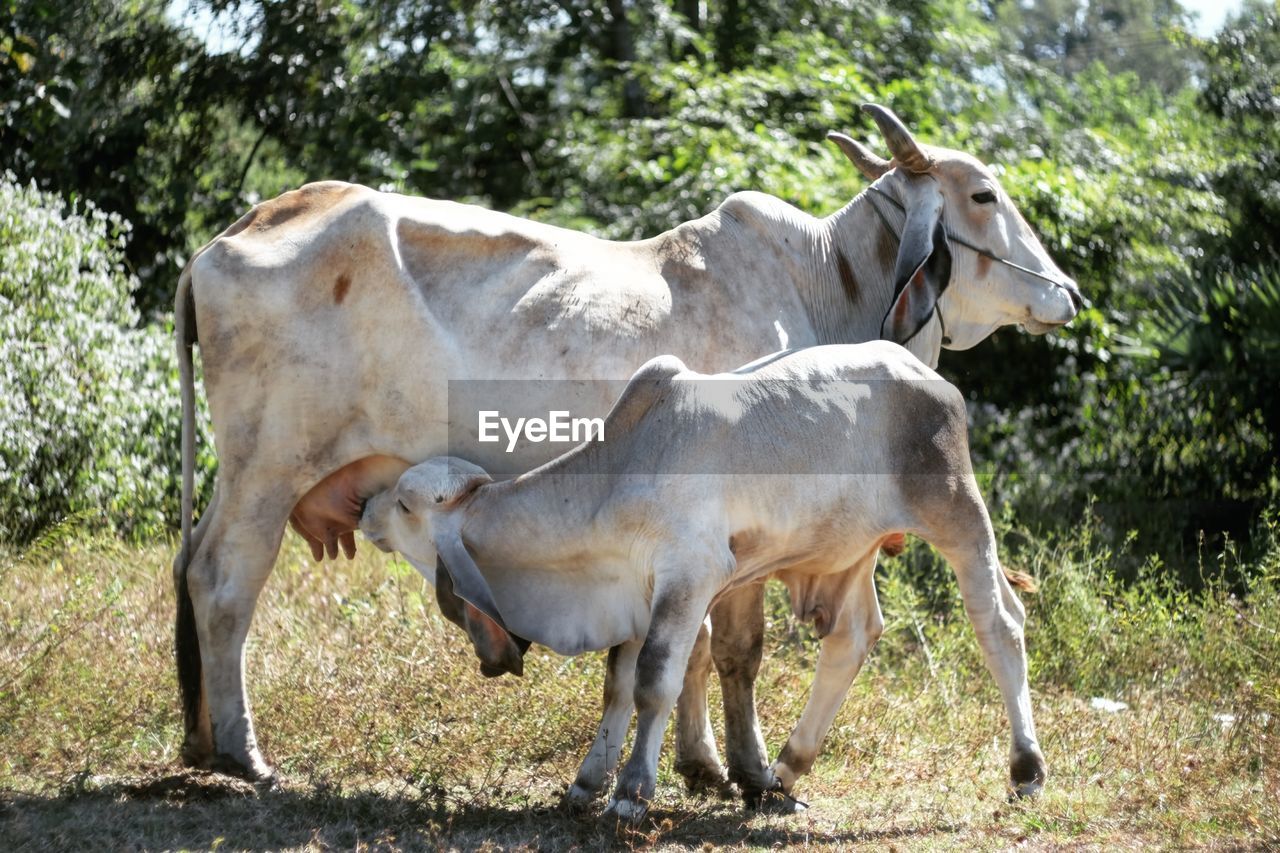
197 810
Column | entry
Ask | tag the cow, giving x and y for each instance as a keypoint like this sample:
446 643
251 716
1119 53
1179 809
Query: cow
332 319
797 468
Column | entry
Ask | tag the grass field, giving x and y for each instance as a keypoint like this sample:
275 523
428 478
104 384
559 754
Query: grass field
387 736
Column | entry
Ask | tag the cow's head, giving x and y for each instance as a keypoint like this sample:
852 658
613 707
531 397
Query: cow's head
949 194
426 509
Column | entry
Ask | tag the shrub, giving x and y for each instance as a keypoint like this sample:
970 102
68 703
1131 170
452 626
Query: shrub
89 409
1167 427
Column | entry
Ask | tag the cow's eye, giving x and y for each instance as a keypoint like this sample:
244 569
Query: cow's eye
403 508
984 197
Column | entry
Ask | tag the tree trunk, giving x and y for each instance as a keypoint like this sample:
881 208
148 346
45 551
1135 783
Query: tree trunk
727 35
620 48
692 12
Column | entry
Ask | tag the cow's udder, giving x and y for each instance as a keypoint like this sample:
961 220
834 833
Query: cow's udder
329 514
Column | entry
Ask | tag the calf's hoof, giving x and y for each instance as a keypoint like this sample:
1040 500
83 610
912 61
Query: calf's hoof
627 811
775 802
1027 772
774 798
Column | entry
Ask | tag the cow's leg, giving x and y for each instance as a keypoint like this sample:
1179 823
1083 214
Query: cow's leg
660 668
737 646
857 627
619 689
696 758
236 554
968 543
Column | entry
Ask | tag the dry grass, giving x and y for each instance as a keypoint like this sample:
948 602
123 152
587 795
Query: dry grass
386 735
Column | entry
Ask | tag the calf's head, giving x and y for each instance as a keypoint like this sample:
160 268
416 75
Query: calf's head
950 199
424 510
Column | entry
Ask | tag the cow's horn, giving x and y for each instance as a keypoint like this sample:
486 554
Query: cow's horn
900 141
868 163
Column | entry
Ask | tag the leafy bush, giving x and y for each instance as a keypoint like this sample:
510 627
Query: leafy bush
89 409
1166 426
1146 168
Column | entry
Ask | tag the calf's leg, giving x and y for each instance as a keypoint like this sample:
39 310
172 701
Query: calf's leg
660 667
619 689
858 625
968 543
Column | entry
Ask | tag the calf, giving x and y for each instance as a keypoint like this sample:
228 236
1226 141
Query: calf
797 467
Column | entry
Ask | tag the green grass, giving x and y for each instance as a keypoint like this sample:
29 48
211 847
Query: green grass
387 736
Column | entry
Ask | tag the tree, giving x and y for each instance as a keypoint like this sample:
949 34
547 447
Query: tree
1141 36
1242 87
111 101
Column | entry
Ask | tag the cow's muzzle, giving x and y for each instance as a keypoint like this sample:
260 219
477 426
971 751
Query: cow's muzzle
1073 291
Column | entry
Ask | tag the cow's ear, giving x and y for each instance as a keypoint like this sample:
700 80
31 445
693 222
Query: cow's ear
470 598
922 271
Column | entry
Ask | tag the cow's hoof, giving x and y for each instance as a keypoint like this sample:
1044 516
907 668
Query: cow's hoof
700 778
627 811
269 782
196 757
256 770
1027 772
577 798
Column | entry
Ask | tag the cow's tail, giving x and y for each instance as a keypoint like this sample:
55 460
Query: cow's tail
186 641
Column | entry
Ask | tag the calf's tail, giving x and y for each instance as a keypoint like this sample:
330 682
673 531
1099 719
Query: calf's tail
895 543
1020 580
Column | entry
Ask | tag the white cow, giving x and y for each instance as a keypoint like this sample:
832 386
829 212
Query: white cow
331 320
797 468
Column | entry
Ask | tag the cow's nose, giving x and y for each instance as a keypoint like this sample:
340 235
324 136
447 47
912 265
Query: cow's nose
1073 291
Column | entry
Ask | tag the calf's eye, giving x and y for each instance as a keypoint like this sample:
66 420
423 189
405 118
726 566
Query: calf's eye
984 197
403 508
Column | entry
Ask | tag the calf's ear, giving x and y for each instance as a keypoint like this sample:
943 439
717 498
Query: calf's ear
450 604
467 601
494 645
922 271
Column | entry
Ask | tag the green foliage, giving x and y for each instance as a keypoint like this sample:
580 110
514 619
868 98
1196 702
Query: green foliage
108 100
1170 430
1242 87
1144 158
717 133
1140 36
88 401
1114 212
